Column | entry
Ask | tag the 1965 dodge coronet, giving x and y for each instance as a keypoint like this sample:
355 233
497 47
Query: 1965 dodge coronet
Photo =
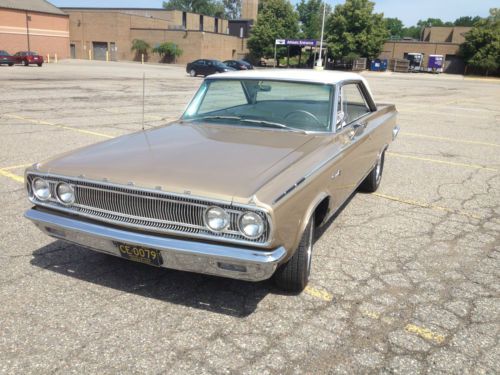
235 187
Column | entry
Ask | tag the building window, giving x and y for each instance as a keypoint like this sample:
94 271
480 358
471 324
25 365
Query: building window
201 22
184 20
216 25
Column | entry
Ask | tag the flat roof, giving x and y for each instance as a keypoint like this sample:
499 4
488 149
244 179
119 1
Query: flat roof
299 75
41 6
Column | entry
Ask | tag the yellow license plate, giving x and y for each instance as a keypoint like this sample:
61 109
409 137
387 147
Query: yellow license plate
140 254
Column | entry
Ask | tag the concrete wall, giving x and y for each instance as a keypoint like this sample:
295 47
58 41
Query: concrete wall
445 34
397 49
194 44
120 29
48 33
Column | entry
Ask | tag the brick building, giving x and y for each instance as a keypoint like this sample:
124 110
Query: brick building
34 25
434 41
112 30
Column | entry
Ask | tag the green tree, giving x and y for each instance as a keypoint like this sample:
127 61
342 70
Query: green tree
310 16
168 51
436 22
276 20
214 8
232 9
467 21
481 49
140 47
353 29
412 32
395 27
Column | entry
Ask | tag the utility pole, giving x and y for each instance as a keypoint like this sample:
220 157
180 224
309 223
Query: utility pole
28 18
319 65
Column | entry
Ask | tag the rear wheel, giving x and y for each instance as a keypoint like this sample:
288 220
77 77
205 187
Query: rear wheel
371 183
293 276
192 73
11 64
39 64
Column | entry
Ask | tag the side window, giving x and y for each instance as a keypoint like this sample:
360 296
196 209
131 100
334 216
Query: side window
352 104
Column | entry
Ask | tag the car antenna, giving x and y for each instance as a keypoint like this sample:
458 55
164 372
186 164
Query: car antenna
143 97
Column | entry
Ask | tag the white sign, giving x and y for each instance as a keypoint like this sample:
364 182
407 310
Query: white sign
280 42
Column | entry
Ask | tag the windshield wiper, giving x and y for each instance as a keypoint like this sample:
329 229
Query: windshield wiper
272 124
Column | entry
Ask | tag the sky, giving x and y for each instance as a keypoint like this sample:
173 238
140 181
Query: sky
409 11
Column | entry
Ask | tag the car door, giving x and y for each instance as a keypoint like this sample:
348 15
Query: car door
353 113
210 69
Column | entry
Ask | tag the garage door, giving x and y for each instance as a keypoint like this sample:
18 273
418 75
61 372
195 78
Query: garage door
454 64
99 50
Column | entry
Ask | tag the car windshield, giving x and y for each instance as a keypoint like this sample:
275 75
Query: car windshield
219 64
293 106
4 53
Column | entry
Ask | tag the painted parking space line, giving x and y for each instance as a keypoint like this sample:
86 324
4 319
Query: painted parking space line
12 176
317 293
15 167
427 205
40 122
456 164
446 139
425 333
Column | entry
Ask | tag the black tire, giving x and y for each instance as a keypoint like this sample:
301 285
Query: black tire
39 65
371 183
192 73
11 64
26 63
293 276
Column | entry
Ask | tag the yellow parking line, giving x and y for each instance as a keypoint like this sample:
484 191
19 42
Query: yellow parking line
449 139
12 176
15 167
321 294
425 333
40 122
426 205
474 166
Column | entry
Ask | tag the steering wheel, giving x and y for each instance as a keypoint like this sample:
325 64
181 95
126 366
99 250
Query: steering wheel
302 112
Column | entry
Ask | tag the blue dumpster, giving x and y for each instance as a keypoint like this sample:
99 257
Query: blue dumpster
378 65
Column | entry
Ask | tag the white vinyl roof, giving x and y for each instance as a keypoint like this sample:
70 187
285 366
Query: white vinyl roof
302 75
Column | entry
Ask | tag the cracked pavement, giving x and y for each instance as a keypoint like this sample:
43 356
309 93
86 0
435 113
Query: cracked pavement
405 281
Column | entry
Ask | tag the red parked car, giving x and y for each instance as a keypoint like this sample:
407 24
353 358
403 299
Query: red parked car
28 58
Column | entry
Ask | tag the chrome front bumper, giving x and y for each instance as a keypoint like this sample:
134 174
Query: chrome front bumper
185 255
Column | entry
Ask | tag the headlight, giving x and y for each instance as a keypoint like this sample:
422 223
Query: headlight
41 189
65 193
251 225
216 219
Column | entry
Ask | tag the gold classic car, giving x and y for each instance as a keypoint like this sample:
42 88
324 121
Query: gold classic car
235 188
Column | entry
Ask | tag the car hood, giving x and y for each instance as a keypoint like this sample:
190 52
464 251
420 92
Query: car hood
206 160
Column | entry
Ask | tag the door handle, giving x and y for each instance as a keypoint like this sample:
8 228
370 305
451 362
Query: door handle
356 130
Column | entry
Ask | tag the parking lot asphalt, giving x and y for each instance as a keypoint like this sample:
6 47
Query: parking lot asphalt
404 281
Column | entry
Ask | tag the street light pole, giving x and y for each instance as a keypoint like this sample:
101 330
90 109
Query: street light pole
319 65
28 18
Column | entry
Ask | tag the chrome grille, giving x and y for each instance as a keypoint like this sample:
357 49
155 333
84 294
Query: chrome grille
149 210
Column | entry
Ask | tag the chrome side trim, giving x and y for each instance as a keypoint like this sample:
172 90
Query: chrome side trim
201 257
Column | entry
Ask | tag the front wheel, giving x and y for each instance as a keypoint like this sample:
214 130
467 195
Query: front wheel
192 73
39 65
293 276
26 63
371 183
